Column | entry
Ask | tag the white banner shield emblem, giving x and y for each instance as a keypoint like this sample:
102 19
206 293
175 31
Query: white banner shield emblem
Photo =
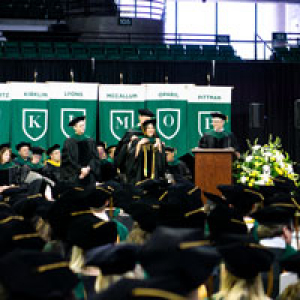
168 123
120 122
35 123
67 115
204 121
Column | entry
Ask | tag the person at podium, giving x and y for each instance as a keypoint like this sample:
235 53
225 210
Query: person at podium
219 137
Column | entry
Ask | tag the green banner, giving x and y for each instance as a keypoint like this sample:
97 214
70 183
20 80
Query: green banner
203 100
5 114
29 117
169 103
118 110
68 101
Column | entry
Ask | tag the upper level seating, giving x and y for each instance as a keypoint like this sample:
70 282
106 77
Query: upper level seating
76 50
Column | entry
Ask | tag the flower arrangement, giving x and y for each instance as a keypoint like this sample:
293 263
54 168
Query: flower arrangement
262 163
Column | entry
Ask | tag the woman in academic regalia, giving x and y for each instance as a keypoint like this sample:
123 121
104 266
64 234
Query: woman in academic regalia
146 155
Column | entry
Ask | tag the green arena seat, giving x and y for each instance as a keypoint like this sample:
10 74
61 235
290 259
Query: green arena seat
11 50
79 51
193 52
28 50
96 50
146 52
129 52
62 50
112 51
178 52
45 50
163 52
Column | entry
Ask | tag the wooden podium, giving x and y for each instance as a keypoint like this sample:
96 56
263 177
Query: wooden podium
213 167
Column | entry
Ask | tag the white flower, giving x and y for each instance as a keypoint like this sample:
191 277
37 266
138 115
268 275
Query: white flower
266 170
290 169
249 158
243 179
256 147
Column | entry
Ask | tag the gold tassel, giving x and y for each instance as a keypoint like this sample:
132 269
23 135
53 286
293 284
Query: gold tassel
77 259
111 207
270 282
145 161
153 164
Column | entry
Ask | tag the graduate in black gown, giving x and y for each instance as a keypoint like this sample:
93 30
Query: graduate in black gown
23 156
175 167
120 155
218 137
36 163
13 176
52 167
146 155
80 159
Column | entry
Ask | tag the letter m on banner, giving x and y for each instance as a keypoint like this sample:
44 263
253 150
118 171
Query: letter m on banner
35 123
120 122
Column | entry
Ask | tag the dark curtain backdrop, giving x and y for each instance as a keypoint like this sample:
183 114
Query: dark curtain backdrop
276 85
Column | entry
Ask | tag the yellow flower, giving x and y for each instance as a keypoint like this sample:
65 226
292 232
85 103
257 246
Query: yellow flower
238 166
250 184
272 159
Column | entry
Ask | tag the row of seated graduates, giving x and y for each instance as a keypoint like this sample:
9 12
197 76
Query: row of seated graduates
152 240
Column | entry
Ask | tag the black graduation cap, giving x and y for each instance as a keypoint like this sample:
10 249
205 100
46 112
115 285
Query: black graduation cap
246 260
198 260
113 259
161 254
291 263
169 149
53 148
225 220
76 120
145 214
30 206
37 275
147 122
273 215
87 231
22 144
219 115
189 160
5 145
37 150
15 233
157 288
101 144
284 184
146 112
241 197
215 199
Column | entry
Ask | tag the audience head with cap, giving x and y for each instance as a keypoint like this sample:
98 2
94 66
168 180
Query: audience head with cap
54 153
23 149
145 114
218 121
78 124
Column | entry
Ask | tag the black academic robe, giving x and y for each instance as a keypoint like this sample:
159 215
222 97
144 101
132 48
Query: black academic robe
52 171
12 173
179 170
120 156
79 152
150 163
212 139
